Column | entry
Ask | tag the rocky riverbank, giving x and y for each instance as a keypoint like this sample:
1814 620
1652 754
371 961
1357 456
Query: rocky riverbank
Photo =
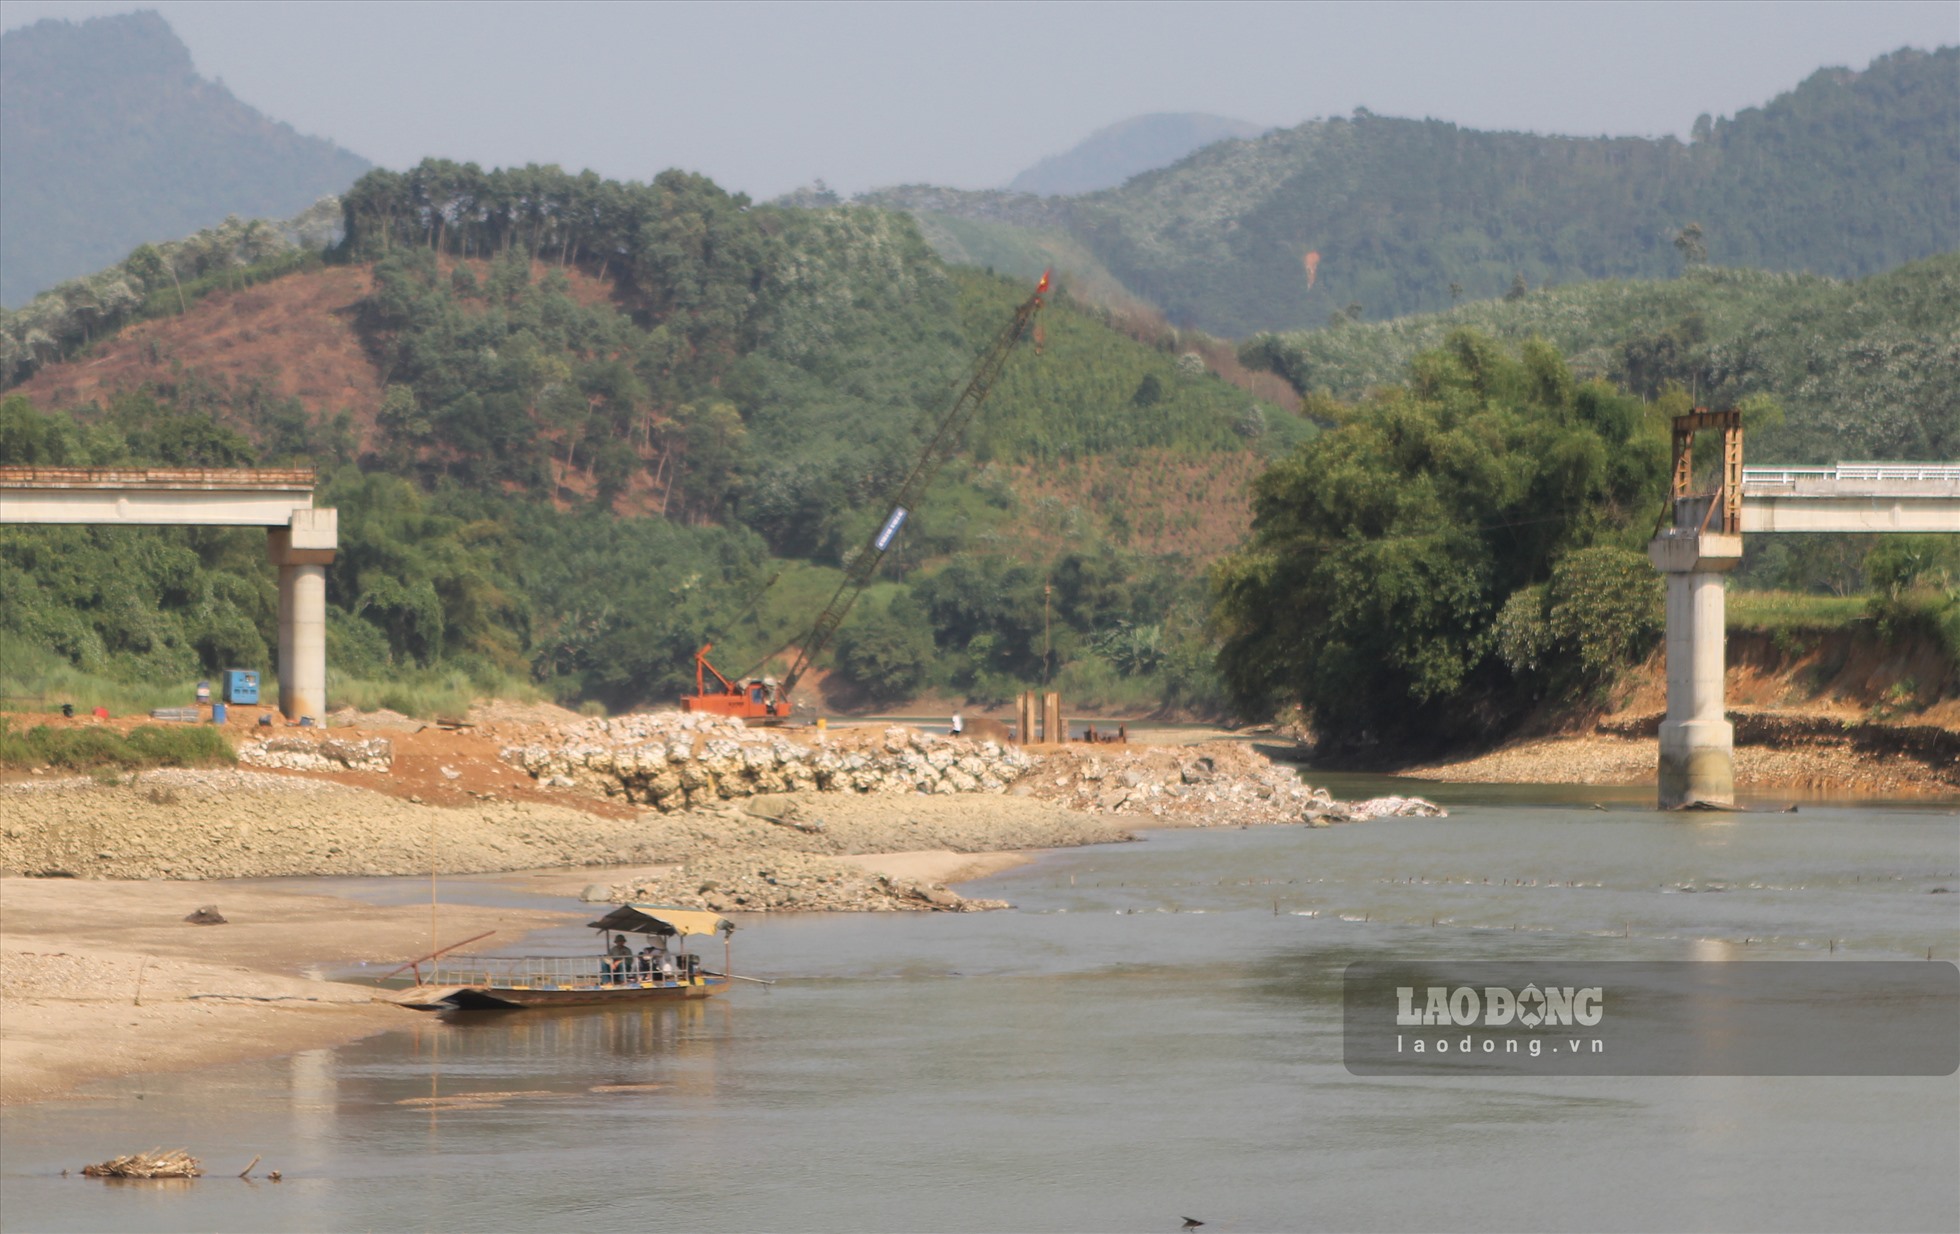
720 816
200 824
672 761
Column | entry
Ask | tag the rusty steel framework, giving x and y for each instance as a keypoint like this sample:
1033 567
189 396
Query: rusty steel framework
1728 497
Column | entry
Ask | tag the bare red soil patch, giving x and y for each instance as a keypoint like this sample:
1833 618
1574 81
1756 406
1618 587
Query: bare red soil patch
293 336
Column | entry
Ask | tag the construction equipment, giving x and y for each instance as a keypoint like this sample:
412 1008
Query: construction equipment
756 700
763 700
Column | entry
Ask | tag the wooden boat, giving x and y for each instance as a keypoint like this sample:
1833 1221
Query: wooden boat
618 975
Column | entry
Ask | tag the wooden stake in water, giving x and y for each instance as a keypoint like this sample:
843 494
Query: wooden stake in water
433 944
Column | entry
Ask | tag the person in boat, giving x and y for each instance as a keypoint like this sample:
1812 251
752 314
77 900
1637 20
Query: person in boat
652 954
619 956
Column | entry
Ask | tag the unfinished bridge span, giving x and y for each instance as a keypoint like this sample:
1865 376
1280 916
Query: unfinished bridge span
1702 541
300 539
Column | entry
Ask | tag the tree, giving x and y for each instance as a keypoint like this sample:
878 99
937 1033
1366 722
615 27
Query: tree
887 654
150 267
1689 244
1384 550
1599 613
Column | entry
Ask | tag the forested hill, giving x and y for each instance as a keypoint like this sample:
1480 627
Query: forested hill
576 427
1861 369
1848 174
109 139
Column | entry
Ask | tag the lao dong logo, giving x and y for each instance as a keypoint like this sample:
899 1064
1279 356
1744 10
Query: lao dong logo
1499 1007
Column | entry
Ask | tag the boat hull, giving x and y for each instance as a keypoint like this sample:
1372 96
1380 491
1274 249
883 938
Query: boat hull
501 998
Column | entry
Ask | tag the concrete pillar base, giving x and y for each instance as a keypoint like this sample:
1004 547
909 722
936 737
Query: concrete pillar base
1697 764
303 642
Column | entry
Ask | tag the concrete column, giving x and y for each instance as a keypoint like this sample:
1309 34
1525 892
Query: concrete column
303 641
1697 743
302 552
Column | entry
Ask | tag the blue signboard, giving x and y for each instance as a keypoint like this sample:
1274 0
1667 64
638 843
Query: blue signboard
890 529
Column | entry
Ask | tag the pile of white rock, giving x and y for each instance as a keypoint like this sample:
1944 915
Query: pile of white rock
671 760
1217 783
1324 812
785 882
376 754
1214 784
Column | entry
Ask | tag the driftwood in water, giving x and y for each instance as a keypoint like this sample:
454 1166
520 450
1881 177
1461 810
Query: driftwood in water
154 1164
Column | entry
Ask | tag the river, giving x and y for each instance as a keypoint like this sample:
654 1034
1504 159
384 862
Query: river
1154 1032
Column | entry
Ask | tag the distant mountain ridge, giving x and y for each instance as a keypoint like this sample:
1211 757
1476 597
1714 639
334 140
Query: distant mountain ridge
110 139
1110 156
1846 175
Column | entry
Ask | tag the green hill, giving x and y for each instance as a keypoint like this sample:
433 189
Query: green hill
1848 174
1864 368
609 415
109 139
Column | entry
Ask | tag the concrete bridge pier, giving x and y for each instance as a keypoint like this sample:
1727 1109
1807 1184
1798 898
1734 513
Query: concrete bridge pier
1697 744
302 551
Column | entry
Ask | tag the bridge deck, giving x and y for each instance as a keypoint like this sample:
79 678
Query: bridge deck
1854 497
155 496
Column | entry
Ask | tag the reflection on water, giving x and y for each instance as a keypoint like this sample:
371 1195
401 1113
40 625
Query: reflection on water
1155 1032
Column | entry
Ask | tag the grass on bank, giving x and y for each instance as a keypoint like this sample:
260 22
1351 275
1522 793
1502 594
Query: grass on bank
1774 611
427 694
1923 612
34 680
83 749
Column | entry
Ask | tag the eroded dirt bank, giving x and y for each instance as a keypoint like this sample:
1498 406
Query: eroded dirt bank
1800 755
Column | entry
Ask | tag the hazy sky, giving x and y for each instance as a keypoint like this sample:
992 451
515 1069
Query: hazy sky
766 96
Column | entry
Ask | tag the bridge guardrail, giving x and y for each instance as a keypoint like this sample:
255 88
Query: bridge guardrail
1865 472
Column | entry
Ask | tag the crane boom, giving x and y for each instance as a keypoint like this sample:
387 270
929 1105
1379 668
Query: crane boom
864 566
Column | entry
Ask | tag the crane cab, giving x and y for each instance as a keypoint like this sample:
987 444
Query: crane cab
756 700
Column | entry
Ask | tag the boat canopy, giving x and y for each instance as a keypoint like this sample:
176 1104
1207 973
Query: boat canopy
664 921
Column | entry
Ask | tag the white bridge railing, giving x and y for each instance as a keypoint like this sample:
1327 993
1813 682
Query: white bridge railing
1861 472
